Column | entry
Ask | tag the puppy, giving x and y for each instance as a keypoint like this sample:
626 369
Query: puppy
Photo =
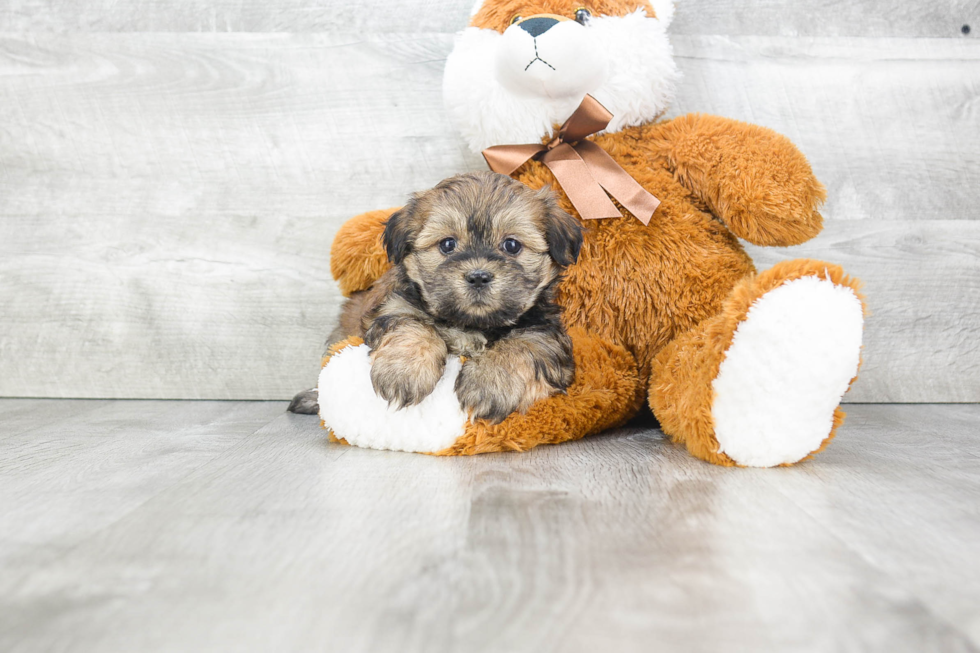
475 264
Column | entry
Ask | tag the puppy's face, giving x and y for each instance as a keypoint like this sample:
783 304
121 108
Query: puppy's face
481 247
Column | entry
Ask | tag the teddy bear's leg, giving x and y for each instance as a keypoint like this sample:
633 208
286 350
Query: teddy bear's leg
760 383
605 394
357 258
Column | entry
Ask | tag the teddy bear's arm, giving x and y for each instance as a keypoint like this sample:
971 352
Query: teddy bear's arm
357 258
752 178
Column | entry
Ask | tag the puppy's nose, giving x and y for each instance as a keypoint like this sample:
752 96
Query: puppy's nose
478 278
537 26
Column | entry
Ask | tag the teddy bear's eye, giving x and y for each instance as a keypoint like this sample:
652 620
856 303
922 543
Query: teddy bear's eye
515 19
582 15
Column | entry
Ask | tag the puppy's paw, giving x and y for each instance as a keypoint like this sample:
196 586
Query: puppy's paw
305 403
404 377
488 391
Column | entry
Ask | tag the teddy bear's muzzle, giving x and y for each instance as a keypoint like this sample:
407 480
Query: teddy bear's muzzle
551 57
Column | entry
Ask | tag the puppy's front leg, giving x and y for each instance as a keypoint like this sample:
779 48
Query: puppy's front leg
407 359
516 371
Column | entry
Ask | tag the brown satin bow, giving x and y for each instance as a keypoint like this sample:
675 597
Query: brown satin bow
581 167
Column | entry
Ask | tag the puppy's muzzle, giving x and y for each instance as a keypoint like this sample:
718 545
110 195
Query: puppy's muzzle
478 279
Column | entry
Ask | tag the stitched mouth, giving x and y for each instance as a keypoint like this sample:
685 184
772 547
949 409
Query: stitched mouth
537 58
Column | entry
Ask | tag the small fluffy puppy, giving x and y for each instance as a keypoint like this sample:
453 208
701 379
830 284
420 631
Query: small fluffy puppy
476 261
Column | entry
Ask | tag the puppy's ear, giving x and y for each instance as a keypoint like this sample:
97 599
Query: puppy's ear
562 232
401 228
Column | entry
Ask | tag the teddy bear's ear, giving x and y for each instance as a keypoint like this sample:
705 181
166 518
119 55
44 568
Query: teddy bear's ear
401 228
562 232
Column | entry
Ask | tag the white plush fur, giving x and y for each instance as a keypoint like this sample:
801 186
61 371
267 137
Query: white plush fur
625 62
564 62
664 10
349 406
788 366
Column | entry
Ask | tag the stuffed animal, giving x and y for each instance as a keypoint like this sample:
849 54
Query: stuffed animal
664 306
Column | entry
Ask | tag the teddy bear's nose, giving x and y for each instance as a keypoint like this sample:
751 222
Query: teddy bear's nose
538 26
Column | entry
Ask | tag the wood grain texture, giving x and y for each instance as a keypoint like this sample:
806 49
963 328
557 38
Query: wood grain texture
891 466
944 18
66 479
277 539
169 199
202 126
889 125
866 18
20 415
370 16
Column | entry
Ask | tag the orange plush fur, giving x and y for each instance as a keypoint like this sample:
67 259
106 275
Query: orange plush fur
651 309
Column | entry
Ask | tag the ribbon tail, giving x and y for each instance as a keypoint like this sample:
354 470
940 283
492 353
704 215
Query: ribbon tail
583 189
634 198
505 159
588 118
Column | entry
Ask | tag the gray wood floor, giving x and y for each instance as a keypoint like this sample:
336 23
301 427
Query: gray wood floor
185 526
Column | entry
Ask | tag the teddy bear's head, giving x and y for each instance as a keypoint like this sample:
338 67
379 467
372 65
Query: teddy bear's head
523 66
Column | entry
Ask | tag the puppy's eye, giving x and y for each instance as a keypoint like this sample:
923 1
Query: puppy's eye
511 246
515 19
447 245
582 15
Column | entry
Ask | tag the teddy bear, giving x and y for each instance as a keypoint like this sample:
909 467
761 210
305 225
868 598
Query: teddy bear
664 306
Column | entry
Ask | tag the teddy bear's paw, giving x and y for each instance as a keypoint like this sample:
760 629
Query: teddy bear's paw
350 407
790 362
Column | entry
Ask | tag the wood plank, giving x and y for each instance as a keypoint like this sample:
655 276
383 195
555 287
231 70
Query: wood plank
61 482
234 16
234 126
285 541
20 415
874 18
892 467
867 18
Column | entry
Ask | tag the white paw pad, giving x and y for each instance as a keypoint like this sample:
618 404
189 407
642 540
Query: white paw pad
788 366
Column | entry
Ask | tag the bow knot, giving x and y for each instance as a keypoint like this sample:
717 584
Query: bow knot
584 170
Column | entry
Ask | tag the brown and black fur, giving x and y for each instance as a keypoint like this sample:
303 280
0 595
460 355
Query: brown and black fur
492 306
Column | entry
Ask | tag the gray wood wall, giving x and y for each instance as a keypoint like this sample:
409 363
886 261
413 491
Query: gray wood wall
172 174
